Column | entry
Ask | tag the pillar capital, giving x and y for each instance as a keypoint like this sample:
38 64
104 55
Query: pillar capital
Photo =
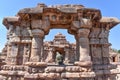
83 32
38 32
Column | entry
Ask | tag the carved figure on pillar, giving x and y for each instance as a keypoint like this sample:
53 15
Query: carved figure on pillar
26 54
14 53
104 35
94 35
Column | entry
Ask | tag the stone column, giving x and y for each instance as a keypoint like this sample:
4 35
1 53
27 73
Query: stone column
66 55
37 45
104 42
14 53
8 53
77 49
84 50
9 44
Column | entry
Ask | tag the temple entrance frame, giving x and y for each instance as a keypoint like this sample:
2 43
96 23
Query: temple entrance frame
82 36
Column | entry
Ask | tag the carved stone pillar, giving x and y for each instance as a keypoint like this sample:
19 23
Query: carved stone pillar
37 45
14 53
10 32
84 58
105 43
77 49
8 53
67 55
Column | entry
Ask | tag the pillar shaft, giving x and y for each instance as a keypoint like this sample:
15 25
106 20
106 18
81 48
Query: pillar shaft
14 53
66 55
37 45
84 45
84 50
77 49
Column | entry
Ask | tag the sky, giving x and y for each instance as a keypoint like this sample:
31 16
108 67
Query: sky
109 8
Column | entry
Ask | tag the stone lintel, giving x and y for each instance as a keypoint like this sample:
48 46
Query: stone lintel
85 23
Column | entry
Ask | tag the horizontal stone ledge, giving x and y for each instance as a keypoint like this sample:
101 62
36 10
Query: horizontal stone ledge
83 63
65 68
96 43
107 66
13 67
54 69
3 77
13 73
11 19
36 64
107 72
57 75
78 75
42 76
2 63
91 74
26 41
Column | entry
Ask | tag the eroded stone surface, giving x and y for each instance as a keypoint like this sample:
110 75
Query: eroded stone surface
29 58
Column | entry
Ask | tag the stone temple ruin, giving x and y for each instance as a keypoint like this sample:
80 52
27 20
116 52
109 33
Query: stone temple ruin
28 58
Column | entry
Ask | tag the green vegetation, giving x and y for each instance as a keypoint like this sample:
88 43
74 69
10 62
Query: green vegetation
114 50
118 51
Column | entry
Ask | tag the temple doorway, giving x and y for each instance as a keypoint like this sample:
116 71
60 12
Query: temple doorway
60 51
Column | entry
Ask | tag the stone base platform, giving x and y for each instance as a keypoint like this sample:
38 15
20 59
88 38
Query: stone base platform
56 72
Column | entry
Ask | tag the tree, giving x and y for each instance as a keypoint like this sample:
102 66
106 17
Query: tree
118 51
